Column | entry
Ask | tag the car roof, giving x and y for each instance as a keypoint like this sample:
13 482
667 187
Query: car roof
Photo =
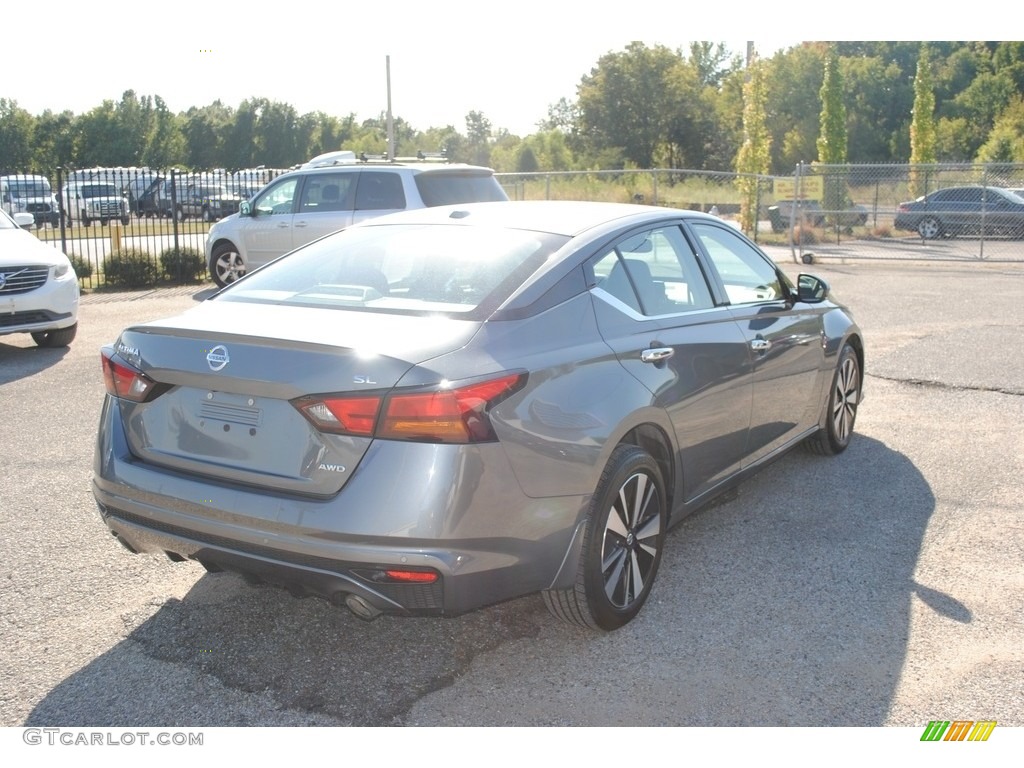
415 168
561 217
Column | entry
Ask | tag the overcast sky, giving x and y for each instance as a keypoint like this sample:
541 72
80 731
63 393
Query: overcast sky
508 60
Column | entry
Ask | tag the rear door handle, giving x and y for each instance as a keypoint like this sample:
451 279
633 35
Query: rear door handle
656 355
760 345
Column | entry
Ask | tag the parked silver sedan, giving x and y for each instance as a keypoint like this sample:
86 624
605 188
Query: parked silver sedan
450 407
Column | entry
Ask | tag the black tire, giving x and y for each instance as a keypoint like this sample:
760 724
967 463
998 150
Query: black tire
208 215
86 221
929 228
126 220
622 545
843 399
226 264
180 214
58 338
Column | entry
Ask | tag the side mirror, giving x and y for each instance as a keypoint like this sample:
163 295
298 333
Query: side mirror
811 289
24 220
244 209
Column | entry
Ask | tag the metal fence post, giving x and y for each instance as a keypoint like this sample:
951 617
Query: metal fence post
174 205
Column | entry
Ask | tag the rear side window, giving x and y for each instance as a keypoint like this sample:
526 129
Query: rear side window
454 188
380 191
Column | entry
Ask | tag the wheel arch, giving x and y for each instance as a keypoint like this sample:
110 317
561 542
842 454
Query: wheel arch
651 438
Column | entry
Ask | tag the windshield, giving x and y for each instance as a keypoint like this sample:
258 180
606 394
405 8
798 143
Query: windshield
407 269
213 191
33 188
99 190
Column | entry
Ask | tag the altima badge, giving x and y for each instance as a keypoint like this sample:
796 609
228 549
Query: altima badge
218 357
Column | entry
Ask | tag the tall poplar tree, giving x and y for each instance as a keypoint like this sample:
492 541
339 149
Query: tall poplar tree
922 124
832 135
755 154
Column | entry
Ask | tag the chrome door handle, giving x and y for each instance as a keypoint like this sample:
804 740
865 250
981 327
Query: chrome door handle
656 355
300 224
283 225
760 345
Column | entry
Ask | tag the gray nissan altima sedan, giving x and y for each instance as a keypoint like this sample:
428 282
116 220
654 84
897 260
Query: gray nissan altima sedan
450 407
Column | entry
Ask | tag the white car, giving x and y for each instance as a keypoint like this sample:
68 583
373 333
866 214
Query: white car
38 286
332 192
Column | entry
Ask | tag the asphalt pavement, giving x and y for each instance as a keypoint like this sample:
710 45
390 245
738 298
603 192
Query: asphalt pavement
880 587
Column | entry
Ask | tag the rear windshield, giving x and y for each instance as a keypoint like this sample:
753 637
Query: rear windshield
405 269
455 188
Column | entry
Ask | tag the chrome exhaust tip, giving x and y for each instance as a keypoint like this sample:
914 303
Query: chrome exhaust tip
361 608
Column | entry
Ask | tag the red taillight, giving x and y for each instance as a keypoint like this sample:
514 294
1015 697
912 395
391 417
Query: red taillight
446 415
341 415
123 381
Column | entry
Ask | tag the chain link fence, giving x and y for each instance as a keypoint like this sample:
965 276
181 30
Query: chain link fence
969 212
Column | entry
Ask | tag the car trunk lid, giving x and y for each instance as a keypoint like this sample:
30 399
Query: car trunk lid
228 375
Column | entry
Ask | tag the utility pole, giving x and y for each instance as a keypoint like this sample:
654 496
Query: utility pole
391 122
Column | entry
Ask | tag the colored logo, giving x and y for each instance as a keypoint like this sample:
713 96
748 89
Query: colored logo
958 730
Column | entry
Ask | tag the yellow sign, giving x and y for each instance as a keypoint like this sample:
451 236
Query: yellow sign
811 188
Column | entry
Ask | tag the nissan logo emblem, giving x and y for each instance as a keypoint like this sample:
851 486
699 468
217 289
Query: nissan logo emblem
218 357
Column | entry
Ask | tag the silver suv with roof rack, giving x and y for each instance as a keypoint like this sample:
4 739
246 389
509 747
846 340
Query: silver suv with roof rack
334 191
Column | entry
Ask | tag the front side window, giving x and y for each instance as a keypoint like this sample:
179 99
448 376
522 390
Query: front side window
747 275
278 199
325 192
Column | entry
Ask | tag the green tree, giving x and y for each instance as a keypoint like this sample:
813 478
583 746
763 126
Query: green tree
793 106
16 128
205 130
165 146
54 141
99 137
277 137
754 156
922 126
240 147
832 134
1005 143
478 138
623 103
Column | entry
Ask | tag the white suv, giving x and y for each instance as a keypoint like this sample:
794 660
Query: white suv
332 193
38 286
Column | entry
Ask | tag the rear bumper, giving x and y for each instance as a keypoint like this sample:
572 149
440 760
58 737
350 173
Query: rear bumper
484 538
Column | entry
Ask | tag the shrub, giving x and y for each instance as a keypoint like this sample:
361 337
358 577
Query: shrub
129 268
82 267
185 264
804 235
